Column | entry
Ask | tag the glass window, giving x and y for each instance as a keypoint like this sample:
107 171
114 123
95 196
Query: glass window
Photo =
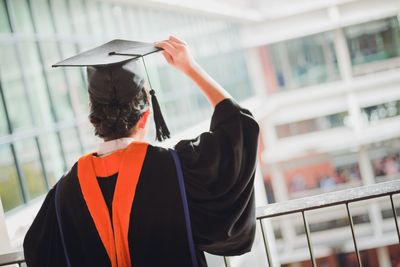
76 82
10 190
4 24
42 17
18 111
135 23
52 157
117 13
57 81
71 145
107 16
312 125
21 17
31 168
13 88
373 42
68 49
3 120
61 98
381 111
385 157
79 17
301 62
95 18
78 90
90 141
36 84
233 76
310 175
61 16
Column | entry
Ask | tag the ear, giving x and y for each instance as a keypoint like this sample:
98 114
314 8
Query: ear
143 120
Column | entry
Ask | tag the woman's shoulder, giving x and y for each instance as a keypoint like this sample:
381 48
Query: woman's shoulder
158 152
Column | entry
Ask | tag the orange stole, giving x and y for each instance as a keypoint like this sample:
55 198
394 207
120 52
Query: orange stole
128 163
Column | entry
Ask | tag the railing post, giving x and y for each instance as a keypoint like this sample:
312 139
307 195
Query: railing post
395 217
353 235
307 229
227 262
266 245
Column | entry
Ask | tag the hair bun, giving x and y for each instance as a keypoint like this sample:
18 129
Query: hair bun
112 121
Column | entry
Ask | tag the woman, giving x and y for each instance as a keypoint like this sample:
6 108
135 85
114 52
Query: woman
124 206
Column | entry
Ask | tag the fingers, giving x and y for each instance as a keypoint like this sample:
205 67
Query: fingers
167 57
173 41
176 52
177 40
167 46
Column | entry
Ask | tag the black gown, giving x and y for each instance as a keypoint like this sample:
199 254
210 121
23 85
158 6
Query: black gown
218 167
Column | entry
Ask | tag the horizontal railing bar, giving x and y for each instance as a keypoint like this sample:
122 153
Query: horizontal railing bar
329 199
12 258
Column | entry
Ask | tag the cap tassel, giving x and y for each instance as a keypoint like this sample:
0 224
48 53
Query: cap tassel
162 131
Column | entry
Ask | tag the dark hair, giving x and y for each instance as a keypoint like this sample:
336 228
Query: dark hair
116 120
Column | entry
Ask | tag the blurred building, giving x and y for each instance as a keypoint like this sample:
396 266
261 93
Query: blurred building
326 75
331 71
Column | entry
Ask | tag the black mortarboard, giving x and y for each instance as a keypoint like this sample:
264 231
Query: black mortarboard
114 75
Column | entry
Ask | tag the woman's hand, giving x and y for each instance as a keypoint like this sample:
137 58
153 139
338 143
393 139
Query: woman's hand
177 53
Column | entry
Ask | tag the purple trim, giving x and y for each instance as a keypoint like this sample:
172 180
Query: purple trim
185 206
58 215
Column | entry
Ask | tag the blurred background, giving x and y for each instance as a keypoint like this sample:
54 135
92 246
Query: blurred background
322 78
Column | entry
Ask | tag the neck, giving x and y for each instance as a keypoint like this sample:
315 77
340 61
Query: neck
138 135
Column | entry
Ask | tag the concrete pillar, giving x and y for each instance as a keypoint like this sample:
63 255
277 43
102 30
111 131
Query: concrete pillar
281 194
278 183
269 133
367 176
342 54
383 257
256 73
4 238
261 200
367 172
355 114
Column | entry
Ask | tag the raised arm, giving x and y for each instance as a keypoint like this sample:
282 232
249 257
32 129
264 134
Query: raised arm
218 165
177 53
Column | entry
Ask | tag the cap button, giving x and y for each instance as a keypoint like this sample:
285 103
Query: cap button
152 92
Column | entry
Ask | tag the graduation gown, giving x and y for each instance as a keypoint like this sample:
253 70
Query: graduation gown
141 218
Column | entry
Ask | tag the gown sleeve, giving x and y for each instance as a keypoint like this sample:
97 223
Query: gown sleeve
219 168
42 243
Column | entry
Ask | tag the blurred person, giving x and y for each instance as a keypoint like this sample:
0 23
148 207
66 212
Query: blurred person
354 173
298 183
390 165
340 177
327 181
123 205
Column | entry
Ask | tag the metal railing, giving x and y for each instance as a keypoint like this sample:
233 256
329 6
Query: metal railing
12 258
342 197
301 206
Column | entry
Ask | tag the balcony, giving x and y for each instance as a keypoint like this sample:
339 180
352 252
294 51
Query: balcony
301 208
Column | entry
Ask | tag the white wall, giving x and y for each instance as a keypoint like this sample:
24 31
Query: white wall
4 239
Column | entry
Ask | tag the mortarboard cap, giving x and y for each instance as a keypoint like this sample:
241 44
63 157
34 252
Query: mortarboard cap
114 75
